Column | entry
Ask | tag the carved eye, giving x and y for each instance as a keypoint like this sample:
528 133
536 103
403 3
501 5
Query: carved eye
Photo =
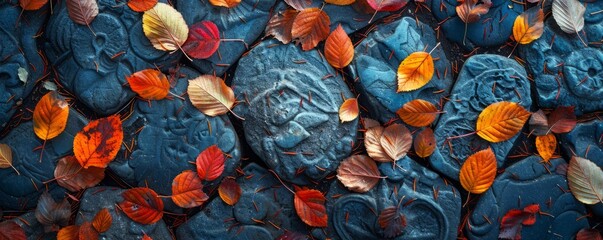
8 76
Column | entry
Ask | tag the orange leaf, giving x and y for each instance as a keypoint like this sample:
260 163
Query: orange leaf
539 125
562 119
310 26
470 12
310 207
425 143
348 110
187 190
546 146
71 232
372 143
210 95
418 113
142 205
98 143
501 121
72 176
11 230
50 116
358 173
52 214
102 221
478 172
281 24
210 163
32 4
149 84
225 3
339 50
415 71
87 232
396 141
141 5
229 191
529 25
146 237
340 2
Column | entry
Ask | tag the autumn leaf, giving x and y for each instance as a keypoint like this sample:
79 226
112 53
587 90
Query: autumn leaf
6 157
539 124
562 119
299 4
339 50
391 221
82 11
310 26
387 5
72 176
87 232
50 116
478 172
164 27
102 220
546 146
229 191
98 143
146 237
585 180
372 143
569 15
469 11
340 2
358 173
425 143
415 71
588 234
32 4
10 230
210 163
141 5
210 95
187 190
529 25
514 219
280 25
418 113
501 121
203 40
71 232
142 205
349 110
369 123
396 141
225 3
310 207
52 214
149 84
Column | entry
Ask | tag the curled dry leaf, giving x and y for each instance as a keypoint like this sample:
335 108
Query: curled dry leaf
348 110
469 11
203 40
585 180
141 5
187 190
87 232
340 2
102 220
149 84
310 26
82 11
562 119
71 232
230 191
501 121
72 176
210 95
425 143
539 125
98 143
358 173
225 3
529 25
32 4
415 71
588 234
546 146
514 219
164 27
142 205
281 24
52 214
50 116
478 172
210 163
387 5
372 143
569 15
10 230
339 50
418 113
310 207
396 141
6 157
391 221
299 4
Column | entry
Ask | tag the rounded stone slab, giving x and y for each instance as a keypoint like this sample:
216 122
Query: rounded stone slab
21 191
20 63
376 65
245 21
492 29
566 72
291 103
264 204
94 67
484 79
122 227
432 210
524 183
165 136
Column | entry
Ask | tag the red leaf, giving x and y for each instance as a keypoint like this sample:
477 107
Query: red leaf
310 207
102 221
52 214
142 205
210 163
11 230
588 234
146 237
98 143
512 222
87 232
391 221
203 40
187 190
387 5
229 191
32 4
562 119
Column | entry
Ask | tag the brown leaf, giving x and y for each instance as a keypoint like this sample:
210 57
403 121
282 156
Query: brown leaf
299 4
281 24
71 232
102 221
415 71
369 123
529 26
82 11
339 50
358 173
9 230
310 26
469 11
348 111
52 214
539 125
396 141
210 95
478 172
425 143
588 234
546 146
230 191
372 143
418 113
72 176
562 119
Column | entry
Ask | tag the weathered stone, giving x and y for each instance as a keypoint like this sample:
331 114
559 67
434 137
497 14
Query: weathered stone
352 17
33 229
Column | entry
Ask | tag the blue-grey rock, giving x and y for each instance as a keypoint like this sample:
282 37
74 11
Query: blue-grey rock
18 55
122 227
376 67
21 191
168 135
94 67
291 103
33 229
264 204
432 210
484 79
524 183
566 72
492 29
245 21
352 17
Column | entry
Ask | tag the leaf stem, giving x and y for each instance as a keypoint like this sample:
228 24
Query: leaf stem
461 136
434 48
468 197
279 179
235 40
582 40
513 50
176 96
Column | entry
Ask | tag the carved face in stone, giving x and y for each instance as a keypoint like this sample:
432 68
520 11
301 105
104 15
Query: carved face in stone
583 72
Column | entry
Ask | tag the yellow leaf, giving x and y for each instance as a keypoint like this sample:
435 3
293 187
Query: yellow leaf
396 141
372 143
210 95
415 71
339 50
225 3
478 172
348 110
418 113
50 116
164 27
425 143
500 121
546 146
529 25
340 2
6 157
